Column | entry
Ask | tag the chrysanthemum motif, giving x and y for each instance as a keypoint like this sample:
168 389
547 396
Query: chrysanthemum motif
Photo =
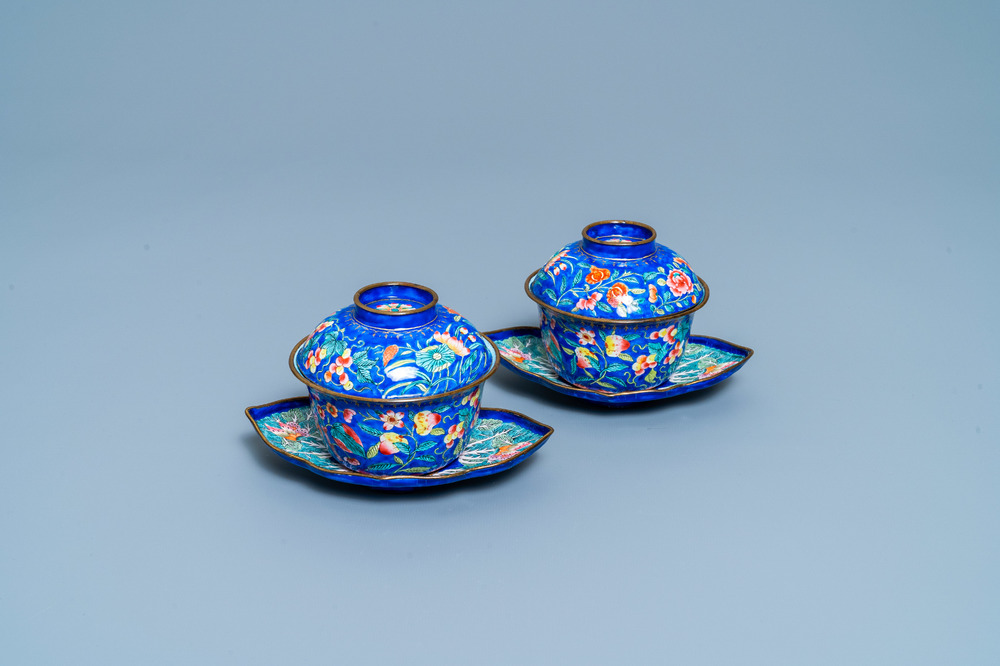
435 358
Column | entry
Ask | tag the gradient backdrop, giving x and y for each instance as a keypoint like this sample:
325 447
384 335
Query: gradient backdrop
187 188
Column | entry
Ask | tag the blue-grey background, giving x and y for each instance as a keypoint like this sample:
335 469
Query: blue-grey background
187 188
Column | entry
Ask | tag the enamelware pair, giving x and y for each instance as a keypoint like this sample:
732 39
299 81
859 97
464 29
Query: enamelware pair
395 379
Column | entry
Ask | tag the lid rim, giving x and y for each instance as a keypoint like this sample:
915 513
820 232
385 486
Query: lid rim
644 320
400 400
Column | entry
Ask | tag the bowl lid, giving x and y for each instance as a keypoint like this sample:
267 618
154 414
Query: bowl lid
395 341
617 271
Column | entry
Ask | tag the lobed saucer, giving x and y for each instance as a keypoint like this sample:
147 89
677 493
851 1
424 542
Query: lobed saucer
500 440
706 361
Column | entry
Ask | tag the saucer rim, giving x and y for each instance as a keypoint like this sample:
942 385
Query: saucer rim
397 480
609 396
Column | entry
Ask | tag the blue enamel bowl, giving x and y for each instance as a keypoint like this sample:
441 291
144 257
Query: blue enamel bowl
615 308
395 380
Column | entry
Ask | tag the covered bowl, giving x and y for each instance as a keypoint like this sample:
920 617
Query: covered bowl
616 307
394 380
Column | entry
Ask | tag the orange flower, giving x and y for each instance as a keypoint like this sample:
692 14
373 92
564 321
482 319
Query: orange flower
616 293
652 293
597 275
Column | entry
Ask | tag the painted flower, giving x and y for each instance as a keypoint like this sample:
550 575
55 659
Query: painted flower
454 432
323 325
425 421
675 353
667 334
507 451
583 358
314 358
348 414
652 293
586 336
588 303
352 462
339 367
391 419
615 294
453 343
472 398
615 345
387 443
597 275
643 363
435 358
554 260
679 283
513 355
394 307
288 430
715 369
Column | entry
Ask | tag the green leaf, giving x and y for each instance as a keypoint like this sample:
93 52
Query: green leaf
625 357
437 431
638 291
334 346
606 385
363 366
617 367
398 460
426 459
374 432
551 294
381 467
372 451
651 376
416 470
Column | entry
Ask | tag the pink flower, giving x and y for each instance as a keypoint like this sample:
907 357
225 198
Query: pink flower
615 345
643 363
679 283
348 414
392 420
588 303
453 343
586 336
513 355
554 260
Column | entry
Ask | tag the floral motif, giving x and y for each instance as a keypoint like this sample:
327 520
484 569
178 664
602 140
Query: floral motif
425 421
586 336
597 275
643 363
456 431
590 302
314 358
668 334
288 430
389 353
454 344
394 307
391 420
435 358
614 345
652 293
387 443
679 283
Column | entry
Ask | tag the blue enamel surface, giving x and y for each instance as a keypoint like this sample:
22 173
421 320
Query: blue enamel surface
501 440
639 280
706 361
386 438
418 350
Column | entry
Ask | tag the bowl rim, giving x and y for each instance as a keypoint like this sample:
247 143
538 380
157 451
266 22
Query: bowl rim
391 401
630 322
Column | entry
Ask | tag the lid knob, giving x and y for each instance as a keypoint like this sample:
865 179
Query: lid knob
619 239
395 305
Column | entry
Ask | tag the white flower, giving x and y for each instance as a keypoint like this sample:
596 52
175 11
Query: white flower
404 372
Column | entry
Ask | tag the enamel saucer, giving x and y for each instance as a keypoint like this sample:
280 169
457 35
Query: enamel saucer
501 439
706 361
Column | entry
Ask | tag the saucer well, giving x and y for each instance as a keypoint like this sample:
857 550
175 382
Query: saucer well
500 440
706 361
